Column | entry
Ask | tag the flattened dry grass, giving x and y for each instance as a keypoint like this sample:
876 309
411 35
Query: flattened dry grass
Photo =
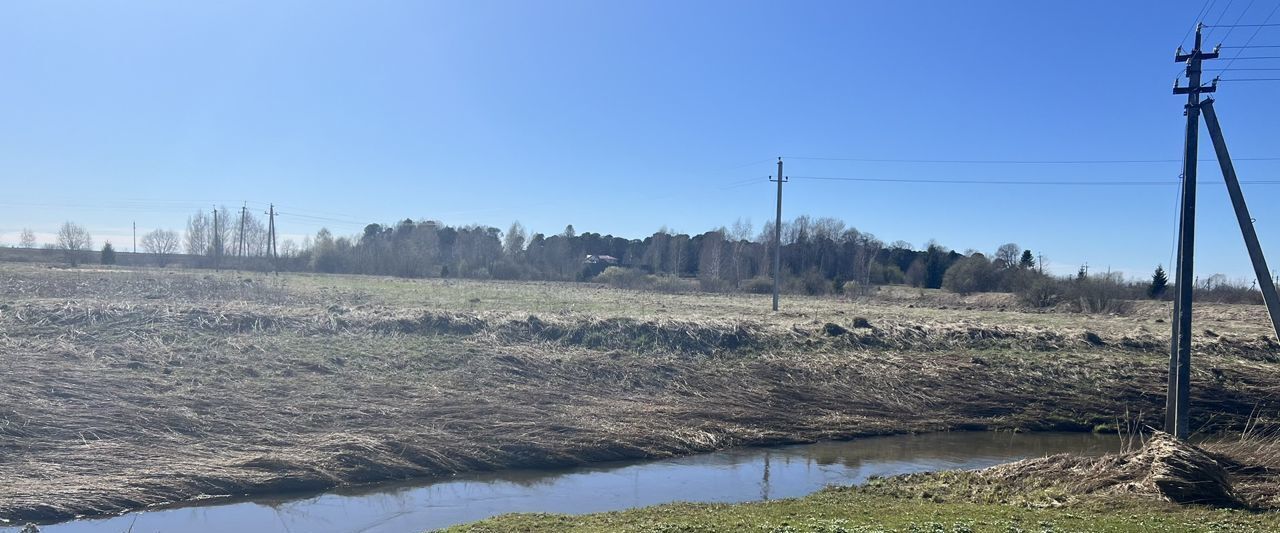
114 399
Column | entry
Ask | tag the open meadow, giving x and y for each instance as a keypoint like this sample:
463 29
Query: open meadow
123 388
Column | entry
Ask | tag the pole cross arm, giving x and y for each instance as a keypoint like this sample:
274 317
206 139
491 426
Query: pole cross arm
1201 90
1182 58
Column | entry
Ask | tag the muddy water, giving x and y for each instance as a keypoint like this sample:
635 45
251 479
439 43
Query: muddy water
728 476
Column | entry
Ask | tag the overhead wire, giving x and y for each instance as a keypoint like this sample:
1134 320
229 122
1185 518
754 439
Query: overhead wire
1017 161
1011 181
1208 4
1255 32
1237 21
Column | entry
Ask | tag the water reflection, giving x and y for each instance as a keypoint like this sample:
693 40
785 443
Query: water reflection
727 476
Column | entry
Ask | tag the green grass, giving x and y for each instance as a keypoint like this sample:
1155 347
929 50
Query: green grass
851 510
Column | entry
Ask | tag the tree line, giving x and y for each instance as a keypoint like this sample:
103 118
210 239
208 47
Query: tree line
819 256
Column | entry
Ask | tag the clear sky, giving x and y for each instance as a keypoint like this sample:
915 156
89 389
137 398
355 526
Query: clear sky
624 116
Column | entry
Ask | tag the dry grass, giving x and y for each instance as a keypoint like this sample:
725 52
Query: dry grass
124 389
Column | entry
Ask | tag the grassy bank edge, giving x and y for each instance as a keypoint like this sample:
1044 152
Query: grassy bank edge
853 509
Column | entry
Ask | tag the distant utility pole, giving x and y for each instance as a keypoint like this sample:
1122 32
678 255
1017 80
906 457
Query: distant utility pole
135 236
777 238
1040 262
240 244
1177 410
271 239
217 239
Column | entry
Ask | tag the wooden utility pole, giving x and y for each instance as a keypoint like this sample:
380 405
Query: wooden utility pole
1178 396
1260 270
777 239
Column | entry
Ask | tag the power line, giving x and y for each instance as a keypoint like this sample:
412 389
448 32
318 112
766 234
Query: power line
1252 46
1249 79
1238 19
1220 15
1255 32
1019 161
1208 4
1243 26
963 181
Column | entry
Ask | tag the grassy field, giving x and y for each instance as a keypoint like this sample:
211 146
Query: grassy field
125 388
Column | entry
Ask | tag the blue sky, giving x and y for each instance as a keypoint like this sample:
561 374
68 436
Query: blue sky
622 117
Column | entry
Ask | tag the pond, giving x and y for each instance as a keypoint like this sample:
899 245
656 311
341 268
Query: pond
735 475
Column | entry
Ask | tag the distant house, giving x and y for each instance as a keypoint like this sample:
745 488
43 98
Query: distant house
593 265
600 260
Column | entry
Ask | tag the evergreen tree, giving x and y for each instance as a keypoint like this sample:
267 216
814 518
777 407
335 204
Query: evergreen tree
108 254
1159 283
1027 261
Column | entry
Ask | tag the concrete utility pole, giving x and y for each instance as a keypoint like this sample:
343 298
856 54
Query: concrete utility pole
1178 396
777 238
135 236
240 244
1260 270
271 239
217 240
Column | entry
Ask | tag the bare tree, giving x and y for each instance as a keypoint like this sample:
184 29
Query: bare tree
27 239
710 257
1007 255
289 248
199 227
161 244
513 241
74 240
741 236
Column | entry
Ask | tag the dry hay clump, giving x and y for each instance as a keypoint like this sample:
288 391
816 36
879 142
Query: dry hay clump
1164 468
124 285
710 336
703 337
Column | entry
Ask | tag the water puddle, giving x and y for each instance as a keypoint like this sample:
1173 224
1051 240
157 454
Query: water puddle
737 475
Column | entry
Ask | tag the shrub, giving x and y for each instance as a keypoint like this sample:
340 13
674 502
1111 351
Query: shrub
1101 295
758 285
713 285
970 274
812 283
671 284
624 278
1041 293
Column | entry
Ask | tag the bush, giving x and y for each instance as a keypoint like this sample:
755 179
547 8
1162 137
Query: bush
1101 295
969 275
758 285
1041 293
713 285
623 278
671 284
1084 295
812 283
